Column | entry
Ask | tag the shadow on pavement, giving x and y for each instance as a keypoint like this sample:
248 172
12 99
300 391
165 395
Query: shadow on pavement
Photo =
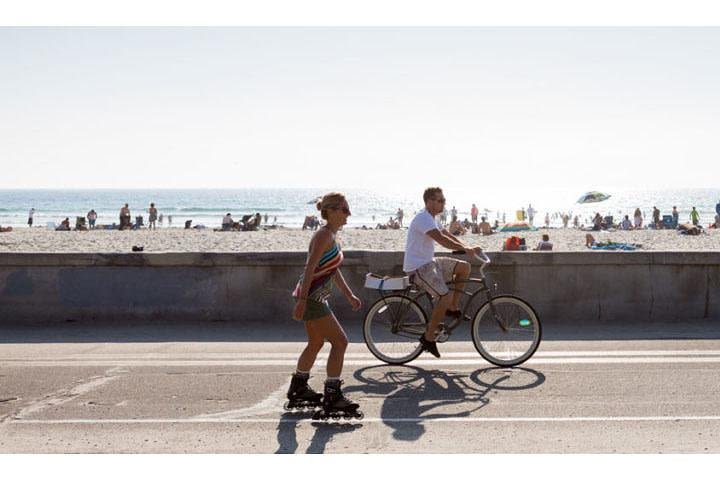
412 395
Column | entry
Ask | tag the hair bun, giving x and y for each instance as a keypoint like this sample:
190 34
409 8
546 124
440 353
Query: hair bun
319 205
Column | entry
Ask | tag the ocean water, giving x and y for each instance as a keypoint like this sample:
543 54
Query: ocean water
288 207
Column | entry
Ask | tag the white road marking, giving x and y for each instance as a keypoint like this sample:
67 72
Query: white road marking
475 360
354 355
305 419
63 396
271 404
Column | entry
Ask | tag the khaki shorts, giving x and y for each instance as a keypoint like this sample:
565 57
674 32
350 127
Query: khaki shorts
433 277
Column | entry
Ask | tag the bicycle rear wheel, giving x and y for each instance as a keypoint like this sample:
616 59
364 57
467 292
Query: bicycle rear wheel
392 329
506 331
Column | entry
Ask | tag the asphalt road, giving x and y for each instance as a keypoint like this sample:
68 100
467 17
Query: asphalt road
128 392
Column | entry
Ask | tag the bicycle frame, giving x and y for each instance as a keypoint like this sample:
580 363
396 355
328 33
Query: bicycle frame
484 288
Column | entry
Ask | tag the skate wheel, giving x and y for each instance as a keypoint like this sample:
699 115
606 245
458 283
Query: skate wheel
287 406
359 415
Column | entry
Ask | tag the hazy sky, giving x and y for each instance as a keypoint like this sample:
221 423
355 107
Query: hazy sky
359 107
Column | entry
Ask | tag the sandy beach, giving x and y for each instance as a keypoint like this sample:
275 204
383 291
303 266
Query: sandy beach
38 240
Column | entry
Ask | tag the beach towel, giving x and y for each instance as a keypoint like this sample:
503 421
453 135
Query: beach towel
517 227
627 247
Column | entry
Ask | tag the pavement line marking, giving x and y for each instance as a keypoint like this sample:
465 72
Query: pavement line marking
294 355
372 420
268 405
63 396
321 362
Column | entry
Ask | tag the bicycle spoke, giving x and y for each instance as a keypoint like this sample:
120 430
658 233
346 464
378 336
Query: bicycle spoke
506 332
392 328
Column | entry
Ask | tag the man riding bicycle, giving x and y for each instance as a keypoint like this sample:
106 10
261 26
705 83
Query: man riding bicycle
431 274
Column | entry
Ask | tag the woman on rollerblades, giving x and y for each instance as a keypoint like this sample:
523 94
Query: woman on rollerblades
311 293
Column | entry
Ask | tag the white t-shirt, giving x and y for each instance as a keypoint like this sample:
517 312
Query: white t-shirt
420 248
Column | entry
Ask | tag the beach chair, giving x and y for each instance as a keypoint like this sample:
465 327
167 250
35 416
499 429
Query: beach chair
667 222
139 221
80 223
608 221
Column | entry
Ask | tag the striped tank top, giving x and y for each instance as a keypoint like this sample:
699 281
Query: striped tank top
322 278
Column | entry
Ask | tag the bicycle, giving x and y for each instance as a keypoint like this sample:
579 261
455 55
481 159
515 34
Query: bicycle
506 330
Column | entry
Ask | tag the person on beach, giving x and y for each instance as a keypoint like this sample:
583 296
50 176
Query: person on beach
312 292
531 214
545 244
656 217
227 222
64 225
125 217
637 216
474 213
626 223
484 227
453 214
431 274
547 220
565 220
169 220
152 217
717 208
400 214
694 216
31 213
92 216
597 222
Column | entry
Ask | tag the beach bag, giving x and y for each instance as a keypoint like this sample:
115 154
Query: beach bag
513 243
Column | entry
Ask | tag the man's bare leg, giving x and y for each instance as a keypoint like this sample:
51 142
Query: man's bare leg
462 273
438 314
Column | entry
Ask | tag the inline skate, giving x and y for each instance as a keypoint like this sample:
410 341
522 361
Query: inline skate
337 406
300 396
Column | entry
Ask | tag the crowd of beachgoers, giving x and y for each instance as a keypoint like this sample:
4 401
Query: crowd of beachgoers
261 233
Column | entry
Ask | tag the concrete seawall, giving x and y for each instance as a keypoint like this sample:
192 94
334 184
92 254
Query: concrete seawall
583 287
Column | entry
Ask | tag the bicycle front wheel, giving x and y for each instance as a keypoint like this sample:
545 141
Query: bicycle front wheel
392 329
506 331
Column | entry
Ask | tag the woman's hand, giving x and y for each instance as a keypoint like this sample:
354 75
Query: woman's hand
299 310
355 303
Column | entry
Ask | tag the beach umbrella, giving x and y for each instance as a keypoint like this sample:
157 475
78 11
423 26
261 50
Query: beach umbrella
593 197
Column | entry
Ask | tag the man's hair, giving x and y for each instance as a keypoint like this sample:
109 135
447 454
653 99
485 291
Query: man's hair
430 193
546 237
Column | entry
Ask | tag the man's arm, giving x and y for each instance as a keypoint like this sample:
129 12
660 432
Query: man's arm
447 240
446 233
